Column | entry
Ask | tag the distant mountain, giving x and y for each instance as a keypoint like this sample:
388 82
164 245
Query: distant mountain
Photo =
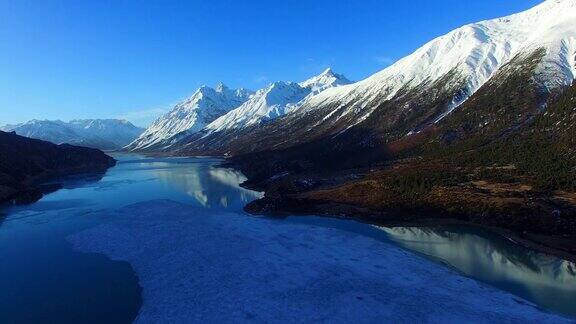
276 100
191 115
268 104
105 134
211 114
26 162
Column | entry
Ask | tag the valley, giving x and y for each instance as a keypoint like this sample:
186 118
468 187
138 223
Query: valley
434 182
476 126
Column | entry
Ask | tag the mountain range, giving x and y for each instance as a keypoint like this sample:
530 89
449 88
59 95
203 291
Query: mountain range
104 134
222 110
413 94
190 115
477 125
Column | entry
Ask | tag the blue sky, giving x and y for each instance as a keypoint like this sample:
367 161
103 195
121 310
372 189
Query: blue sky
134 59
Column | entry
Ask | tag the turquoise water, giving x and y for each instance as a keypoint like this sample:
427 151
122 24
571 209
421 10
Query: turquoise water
44 280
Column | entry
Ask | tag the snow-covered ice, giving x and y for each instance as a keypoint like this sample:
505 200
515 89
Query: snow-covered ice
197 265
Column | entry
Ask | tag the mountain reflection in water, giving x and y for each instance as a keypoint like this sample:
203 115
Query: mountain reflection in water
544 279
218 190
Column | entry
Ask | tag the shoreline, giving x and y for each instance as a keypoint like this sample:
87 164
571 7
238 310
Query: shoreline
502 232
283 205
365 216
36 188
514 237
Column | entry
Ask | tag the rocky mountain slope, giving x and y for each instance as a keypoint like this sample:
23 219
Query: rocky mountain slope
105 134
26 162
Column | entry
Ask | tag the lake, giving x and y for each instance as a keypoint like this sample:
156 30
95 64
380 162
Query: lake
46 278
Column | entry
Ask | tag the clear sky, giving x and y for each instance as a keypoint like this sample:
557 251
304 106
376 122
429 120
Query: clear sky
134 59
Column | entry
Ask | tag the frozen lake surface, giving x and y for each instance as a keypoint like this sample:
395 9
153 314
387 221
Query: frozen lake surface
166 240
224 267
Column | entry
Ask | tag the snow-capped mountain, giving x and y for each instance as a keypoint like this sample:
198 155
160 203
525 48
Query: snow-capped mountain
465 59
424 87
277 99
105 134
268 103
192 114
116 131
54 131
414 93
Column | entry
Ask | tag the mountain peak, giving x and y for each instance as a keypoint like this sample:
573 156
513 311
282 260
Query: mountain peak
192 114
326 79
221 87
328 72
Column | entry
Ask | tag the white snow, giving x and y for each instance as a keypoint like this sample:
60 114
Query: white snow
476 52
98 133
192 114
268 103
277 99
323 81
200 266
471 55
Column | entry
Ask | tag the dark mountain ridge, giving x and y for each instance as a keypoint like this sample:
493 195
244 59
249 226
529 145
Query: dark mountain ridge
25 163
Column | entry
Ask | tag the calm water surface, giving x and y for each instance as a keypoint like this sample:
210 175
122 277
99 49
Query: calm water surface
43 280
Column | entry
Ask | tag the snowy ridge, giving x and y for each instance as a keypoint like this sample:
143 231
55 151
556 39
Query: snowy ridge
192 114
473 54
268 103
277 99
106 134
117 131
